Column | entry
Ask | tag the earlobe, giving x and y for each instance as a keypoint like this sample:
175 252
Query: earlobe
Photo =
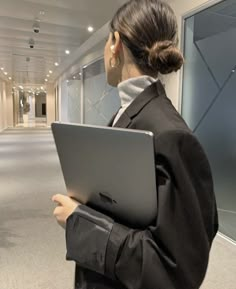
117 43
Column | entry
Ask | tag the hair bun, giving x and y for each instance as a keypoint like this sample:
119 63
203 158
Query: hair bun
164 57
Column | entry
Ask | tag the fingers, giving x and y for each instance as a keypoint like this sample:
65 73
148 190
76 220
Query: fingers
57 211
60 199
58 214
65 207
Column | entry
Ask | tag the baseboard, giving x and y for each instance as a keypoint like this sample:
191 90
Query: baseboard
226 238
2 129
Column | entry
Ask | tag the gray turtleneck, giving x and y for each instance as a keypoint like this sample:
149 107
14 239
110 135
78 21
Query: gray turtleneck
130 89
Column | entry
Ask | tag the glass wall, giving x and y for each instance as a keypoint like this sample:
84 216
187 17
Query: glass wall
85 97
63 100
209 100
100 100
74 100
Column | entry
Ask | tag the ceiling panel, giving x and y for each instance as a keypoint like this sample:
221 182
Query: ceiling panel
63 25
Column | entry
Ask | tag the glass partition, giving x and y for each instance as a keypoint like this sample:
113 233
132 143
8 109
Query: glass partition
85 97
209 102
100 100
74 100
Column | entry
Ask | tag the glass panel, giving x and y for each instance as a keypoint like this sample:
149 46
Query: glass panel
209 101
100 100
74 100
64 101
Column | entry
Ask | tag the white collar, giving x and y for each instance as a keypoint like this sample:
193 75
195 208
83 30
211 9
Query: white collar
132 87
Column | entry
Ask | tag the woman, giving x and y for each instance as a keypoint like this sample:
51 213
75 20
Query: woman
172 253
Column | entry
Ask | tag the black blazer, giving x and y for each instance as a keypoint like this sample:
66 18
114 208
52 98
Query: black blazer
173 252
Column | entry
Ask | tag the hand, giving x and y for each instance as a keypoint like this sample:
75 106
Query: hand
65 208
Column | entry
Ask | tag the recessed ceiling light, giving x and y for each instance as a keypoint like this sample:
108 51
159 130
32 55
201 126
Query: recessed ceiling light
41 87
5 73
67 51
90 29
56 64
2 68
74 77
233 70
46 79
50 71
80 73
9 77
67 80
42 12
48 75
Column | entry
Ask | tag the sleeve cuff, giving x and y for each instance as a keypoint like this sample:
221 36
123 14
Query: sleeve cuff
116 240
87 235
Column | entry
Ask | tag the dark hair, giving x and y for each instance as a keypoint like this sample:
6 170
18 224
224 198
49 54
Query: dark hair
148 28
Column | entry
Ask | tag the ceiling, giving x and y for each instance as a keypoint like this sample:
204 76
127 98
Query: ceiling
63 26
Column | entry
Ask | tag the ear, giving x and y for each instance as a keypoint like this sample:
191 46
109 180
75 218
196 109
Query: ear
117 44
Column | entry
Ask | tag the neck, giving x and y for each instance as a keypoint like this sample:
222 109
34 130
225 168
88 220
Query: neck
130 71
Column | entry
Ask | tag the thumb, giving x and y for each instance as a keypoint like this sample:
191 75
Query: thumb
58 198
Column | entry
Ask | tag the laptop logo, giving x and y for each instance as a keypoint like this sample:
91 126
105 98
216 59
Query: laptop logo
106 198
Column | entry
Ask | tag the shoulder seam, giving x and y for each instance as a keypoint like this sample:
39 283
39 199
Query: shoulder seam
174 131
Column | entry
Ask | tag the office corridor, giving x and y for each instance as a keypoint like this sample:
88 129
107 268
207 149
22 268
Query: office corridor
32 245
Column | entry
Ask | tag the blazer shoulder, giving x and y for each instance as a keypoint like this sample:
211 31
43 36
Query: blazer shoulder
178 137
184 145
159 116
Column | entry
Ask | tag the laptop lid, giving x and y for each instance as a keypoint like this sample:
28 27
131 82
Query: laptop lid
109 169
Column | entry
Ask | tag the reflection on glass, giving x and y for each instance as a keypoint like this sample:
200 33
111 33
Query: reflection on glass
100 100
209 100
74 100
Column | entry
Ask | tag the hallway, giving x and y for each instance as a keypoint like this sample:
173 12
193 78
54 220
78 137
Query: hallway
32 245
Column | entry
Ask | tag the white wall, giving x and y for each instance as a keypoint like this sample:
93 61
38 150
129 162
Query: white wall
31 113
9 105
6 106
181 8
2 106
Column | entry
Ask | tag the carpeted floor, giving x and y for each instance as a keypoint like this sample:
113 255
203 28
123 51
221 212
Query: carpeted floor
32 245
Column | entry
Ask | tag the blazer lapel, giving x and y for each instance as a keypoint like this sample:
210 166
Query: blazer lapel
124 120
154 90
112 119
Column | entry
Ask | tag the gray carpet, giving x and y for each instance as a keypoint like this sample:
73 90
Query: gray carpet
32 245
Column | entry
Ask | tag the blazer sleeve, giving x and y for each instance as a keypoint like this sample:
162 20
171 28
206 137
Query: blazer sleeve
173 252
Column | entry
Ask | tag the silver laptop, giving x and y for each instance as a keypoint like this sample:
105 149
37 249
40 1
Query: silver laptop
109 169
